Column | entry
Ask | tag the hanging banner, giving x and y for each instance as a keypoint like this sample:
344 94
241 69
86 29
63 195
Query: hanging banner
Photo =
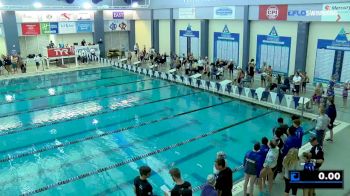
30 28
226 45
274 50
117 25
84 27
49 28
224 12
187 13
60 52
48 16
189 42
67 27
28 17
273 12
333 59
337 12
84 16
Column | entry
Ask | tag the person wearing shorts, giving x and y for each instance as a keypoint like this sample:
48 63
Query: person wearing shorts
296 82
37 62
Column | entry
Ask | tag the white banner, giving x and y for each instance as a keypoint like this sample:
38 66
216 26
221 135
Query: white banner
117 25
273 97
246 91
234 89
259 91
67 27
187 13
53 16
227 12
92 49
289 99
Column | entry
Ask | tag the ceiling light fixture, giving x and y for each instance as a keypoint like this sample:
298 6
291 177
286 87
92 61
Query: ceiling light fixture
87 6
37 5
135 5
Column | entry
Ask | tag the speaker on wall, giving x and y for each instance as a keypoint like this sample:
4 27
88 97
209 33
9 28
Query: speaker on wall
96 1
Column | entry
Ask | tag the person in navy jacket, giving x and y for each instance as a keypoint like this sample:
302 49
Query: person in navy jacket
291 142
253 164
264 148
299 132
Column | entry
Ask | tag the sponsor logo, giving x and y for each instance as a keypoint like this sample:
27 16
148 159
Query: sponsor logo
113 26
272 12
224 12
61 52
312 13
337 7
297 13
118 15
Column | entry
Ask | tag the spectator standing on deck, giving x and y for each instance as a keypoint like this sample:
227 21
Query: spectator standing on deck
297 81
290 162
331 112
322 122
37 60
270 165
281 125
181 188
345 93
141 186
224 180
209 187
252 164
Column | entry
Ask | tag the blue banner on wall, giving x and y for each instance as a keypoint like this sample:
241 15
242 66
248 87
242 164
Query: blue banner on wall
189 42
333 59
226 45
54 27
274 50
84 27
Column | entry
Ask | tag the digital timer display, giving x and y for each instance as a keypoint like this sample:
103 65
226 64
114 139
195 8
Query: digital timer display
317 179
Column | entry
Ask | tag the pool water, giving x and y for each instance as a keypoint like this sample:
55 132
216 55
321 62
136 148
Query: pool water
87 132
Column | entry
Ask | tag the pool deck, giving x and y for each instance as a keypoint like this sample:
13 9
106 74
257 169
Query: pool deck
31 70
332 150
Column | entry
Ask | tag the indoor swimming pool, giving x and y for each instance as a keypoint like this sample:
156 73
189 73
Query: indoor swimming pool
87 132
